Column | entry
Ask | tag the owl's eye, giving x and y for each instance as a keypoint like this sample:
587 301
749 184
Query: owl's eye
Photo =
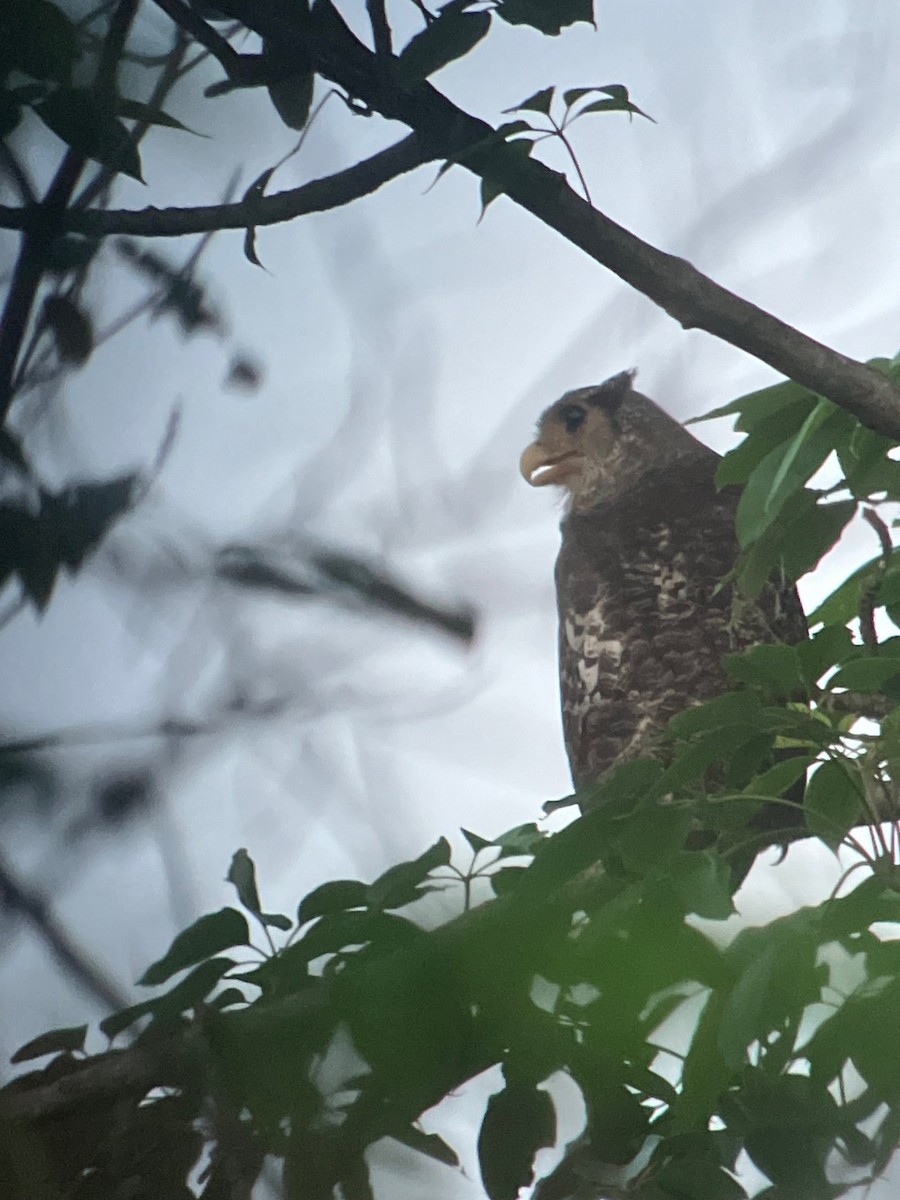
573 417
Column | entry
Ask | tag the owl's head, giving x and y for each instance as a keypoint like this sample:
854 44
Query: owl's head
597 441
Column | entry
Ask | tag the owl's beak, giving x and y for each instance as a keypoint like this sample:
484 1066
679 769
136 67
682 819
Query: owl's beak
540 467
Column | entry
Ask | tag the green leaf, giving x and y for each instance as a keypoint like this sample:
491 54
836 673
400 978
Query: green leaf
843 603
697 1179
778 779
788 401
833 802
777 980
775 668
71 1038
652 836
702 881
242 873
276 921
506 880
450 37
228 998
785 471
731 708
539 102
550 18
523 839
39 39
794 544
207 936
337 895
400 885
430 1144
518 1122
76 117
476 841
866 674
866 465
738 464
716 746
831 645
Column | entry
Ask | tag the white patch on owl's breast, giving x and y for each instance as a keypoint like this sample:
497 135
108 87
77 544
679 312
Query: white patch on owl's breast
591 653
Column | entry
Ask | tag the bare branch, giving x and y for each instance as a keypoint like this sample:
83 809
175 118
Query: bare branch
72 958
317 196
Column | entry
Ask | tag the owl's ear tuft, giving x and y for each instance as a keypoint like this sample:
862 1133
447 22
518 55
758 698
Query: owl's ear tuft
610 394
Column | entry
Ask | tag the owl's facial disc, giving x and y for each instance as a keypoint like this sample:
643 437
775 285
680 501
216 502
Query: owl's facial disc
541 466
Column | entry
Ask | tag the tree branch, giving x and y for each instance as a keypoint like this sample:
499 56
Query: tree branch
694 300
319 195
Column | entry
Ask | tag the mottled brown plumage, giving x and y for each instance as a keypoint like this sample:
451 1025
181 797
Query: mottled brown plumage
644 622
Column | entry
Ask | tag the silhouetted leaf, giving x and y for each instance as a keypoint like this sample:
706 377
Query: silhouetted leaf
452 35
75 115
337 895
137 110
69 252
207 936
355 1181
71 1038
72 329
539 102
11 450
518 1122
292 98
79 516
339 930
545 17
400 885
244 373
617 100
242 873
490 188
113 1025
39 39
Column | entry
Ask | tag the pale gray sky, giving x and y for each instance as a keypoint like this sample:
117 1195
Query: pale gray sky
408 350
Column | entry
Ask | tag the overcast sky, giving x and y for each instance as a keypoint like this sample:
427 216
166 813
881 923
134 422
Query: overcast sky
408 350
